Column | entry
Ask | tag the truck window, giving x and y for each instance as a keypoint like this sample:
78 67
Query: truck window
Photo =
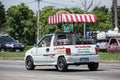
62 39
87 41
7 39
113 42
45 42
66 39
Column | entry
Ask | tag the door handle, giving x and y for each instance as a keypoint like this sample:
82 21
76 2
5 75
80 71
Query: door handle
45 55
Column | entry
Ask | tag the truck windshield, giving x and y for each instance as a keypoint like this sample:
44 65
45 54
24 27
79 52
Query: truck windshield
119 40
7 39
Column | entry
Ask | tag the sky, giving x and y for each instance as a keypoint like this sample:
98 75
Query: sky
57 3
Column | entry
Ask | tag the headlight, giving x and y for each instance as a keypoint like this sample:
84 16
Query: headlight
22 45
9 45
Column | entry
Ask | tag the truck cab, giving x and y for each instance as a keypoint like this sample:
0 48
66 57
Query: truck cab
113 45
61 50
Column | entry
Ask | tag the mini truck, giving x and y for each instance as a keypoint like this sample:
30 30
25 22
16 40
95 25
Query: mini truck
61 50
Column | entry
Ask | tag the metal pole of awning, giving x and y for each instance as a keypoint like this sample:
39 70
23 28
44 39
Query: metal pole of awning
85 3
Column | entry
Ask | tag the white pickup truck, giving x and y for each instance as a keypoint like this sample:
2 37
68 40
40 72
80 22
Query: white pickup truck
61 50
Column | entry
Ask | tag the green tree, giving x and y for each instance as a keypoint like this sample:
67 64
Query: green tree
103 18
44 14
20 23
102 8
2 16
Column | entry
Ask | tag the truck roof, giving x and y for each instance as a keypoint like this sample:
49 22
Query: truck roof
1 34
65 33
115 38
61 33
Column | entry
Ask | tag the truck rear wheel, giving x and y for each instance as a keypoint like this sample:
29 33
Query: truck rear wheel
61 64
29 63
93 66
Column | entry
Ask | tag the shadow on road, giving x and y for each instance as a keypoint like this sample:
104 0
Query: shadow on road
70 70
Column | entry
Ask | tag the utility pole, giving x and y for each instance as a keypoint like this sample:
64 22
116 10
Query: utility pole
38 22
85 4
86 8
116 15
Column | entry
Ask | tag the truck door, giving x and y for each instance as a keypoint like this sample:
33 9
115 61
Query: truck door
112 47
43 50
118 44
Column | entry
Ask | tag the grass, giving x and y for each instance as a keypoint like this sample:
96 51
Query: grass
12 55
109 56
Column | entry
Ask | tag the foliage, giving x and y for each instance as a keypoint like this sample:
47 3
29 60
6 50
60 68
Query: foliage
102 8
44 14
20 23
103 18
2 16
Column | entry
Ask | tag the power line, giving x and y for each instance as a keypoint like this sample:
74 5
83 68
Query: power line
58 4
49 3
30 2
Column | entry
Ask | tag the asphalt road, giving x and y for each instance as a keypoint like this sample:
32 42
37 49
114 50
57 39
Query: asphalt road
15 70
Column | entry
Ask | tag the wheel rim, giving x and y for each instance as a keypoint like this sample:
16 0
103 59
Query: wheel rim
28 63
60 65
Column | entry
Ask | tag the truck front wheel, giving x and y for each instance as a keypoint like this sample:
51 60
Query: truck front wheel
61 64
93 66
29 63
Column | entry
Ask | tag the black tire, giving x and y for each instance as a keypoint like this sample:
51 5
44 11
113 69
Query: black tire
29 63
61 64
56 67
93 66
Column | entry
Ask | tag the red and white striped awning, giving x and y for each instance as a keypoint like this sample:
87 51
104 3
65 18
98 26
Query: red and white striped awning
55 19
71 18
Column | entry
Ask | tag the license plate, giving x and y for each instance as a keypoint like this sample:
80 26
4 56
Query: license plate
83 60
